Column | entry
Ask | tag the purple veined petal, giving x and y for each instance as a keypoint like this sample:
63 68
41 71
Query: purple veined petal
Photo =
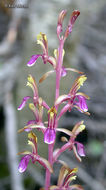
63 72
33 60
82 103
80 149
23 103
24 163
49 136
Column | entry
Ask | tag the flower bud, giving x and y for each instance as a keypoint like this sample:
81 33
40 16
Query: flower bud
72 20
60 22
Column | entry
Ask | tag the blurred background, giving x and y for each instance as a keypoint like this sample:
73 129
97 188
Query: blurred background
20 22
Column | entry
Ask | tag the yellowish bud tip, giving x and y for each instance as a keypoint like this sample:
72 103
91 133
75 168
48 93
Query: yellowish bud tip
82 79
30 85
30 143
82 127
32 135
73 177
56 53
51 115
75 170
63 52
30 79
31 106
53 109
45 37
39 36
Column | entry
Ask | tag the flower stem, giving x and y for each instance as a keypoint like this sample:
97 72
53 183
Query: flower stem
50 159
58 69
58 77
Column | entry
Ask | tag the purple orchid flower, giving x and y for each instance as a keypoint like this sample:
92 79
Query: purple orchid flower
50 133
74 98
33 156
70 144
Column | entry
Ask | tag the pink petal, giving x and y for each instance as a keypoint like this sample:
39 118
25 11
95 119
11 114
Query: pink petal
49 136
24 163
33 60
80 149
23 103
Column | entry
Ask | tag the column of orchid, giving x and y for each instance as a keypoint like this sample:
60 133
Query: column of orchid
72 99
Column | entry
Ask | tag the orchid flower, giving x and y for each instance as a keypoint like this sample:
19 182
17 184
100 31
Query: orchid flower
32 84
33 156
66 176
49 131
70 144
36 107
74 98
42 40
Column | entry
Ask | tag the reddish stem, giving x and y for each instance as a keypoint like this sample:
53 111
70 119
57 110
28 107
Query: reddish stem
50 159
58 77
59 68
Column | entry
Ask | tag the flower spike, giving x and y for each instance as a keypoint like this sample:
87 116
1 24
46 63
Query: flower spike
49 128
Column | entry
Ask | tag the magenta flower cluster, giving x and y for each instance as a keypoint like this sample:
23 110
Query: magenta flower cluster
68 101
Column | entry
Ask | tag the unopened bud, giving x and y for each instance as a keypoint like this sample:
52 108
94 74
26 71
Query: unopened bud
60 22
72 20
